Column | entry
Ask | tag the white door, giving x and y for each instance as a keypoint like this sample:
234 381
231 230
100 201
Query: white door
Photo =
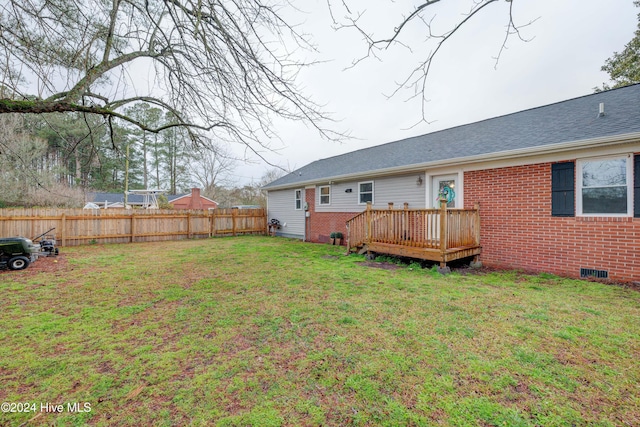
448 185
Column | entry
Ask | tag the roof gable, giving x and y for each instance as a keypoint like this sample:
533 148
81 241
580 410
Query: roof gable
174 197
575 119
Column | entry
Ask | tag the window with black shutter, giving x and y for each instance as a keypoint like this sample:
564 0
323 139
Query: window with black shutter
563 189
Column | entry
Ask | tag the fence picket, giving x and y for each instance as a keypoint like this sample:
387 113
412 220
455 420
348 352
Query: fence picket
75 227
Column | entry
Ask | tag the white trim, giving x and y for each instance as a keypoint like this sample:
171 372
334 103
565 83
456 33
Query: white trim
320 187
628 157
372 192
460 190
524 156
458 176
295 199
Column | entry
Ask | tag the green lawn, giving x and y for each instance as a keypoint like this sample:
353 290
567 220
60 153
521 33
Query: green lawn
258 331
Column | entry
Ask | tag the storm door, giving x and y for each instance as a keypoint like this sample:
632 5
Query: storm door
447 186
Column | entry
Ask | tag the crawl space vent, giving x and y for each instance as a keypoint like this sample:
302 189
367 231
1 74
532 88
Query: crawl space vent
590 272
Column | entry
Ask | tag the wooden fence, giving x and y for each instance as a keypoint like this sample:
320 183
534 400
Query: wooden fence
75 227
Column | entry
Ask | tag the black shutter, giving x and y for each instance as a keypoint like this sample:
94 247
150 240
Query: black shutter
563 189
636 186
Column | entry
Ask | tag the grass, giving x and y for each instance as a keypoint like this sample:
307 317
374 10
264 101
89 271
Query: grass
257 331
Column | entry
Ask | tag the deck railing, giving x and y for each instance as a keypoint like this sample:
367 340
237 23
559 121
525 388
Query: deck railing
422 228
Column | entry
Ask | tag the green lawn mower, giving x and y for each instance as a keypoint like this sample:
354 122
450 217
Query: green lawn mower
17 253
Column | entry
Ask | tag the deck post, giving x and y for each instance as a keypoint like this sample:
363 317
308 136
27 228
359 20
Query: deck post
347 225
369 225
443 233
406 225
389 234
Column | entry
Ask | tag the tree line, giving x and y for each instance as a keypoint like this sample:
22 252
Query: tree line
56 159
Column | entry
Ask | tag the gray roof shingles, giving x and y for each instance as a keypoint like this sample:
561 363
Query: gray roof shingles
119 197
571 120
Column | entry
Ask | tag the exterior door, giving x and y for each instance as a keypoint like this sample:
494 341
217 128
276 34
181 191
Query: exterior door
439 183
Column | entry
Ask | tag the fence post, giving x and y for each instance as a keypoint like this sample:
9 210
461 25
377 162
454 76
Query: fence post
188 224
211 214
443 233
63 229
234 212
31 223
133 226
266 221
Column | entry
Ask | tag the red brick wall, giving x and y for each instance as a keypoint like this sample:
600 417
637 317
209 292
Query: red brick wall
193 201
186 203
322 224
518 231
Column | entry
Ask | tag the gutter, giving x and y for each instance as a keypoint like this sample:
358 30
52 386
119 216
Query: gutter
458 161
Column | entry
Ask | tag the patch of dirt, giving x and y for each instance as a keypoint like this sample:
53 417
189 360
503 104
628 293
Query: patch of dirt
41 265
467 270
382 265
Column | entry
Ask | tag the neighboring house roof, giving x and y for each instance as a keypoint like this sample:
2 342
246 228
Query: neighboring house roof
134 199
563 124
173 198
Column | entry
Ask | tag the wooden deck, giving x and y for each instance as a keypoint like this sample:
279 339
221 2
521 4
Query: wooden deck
440 235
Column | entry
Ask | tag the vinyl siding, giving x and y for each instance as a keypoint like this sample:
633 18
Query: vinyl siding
282 206
396 189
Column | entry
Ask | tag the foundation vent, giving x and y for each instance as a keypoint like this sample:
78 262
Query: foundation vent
592 273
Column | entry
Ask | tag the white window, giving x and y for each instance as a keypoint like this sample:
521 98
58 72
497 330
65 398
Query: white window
604 186
365 192
325 195
298 197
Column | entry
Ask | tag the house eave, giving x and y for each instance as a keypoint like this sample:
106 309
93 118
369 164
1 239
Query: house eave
480 158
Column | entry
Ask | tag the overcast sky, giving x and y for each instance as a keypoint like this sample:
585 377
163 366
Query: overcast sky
568 43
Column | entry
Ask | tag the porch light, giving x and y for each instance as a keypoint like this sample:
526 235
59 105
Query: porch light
419 181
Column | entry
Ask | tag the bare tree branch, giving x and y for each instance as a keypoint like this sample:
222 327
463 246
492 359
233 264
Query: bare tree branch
217 65
416 80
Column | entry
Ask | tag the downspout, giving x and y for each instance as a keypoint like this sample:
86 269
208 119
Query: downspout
306 219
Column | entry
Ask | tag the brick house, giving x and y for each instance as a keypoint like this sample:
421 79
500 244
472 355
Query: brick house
558 186
193 200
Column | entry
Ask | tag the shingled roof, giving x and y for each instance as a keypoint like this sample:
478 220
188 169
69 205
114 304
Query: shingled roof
133 199
572 121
